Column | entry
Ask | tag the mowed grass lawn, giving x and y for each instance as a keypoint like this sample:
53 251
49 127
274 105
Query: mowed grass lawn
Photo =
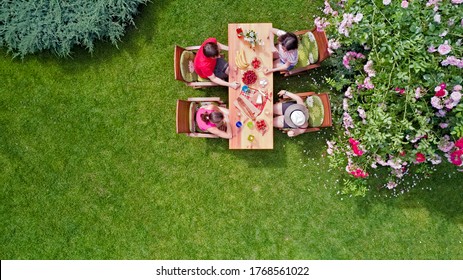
91 166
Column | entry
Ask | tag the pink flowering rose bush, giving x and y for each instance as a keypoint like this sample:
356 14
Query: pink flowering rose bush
398 72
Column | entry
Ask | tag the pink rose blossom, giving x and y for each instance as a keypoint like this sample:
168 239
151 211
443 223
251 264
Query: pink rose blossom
330 147
367 84
436 159
419 158
399 173
452 60
359 173
347 22
369 69
395 163
418 93
386 2
445 145
436 102
457 1
457 88
345 104
361 112
321 23
348 93
399 90
444 48
441 113
333 45
449 104
455 96
456 157
358 17
347 121
390 185
380 161
404 4
351 56
432 3
459 143
432 49
440 90
328 10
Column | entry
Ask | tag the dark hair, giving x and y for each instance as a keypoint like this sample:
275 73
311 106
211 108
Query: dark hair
289 41
213 117
211 49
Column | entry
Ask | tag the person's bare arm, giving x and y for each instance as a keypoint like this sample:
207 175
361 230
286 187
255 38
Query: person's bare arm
214 79
296 131
222 134
291 95
222 46
282 67
225 111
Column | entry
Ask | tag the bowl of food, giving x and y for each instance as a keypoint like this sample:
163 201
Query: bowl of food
263 82
249 77
256 63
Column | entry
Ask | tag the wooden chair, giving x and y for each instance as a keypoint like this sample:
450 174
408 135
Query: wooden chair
327 120
323 53
186 116
177 70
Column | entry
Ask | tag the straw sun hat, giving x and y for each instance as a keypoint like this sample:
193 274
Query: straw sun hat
296 115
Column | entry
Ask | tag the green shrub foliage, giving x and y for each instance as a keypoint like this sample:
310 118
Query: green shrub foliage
30 26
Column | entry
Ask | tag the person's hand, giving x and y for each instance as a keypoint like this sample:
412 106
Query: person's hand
281 93
291 133
235 85
267 71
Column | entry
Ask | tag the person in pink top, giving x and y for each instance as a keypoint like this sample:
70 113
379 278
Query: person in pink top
214 120
209 64
286 55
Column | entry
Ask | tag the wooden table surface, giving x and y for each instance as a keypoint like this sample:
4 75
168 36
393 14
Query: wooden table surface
264 53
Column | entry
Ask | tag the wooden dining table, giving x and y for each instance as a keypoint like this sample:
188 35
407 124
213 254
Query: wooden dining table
251 106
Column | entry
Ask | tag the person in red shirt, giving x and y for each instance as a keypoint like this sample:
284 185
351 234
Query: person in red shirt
209 64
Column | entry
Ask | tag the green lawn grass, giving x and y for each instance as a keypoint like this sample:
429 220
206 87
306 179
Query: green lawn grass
91 166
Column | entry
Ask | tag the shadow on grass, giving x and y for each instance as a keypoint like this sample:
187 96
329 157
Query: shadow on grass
432 193
256 158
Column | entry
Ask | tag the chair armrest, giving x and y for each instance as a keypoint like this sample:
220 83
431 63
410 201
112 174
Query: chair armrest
202 84
306 94
201 99
202 135
311 129
300 32
192 48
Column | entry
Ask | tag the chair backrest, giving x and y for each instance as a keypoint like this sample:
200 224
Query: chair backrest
178 72
322 45
186 114
327 119
183 116
177 55
322 42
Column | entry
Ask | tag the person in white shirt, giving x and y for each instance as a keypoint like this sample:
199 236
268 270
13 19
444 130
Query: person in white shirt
286 55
